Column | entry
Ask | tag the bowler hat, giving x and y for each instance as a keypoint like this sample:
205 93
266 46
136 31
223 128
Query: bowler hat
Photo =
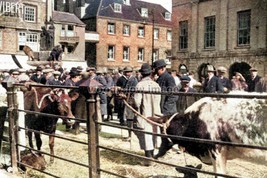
80 68
127 69
159 63
210 68
74 73
185 79
145 69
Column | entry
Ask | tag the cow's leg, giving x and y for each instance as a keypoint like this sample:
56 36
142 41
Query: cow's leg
51 146
38 140
219 159
30 139
164 147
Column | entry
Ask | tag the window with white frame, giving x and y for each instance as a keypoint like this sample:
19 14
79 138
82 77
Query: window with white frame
141 32
126 53
111 52
169 35
126 30
111 28
244 25
117 7
156 33
70 31
30 39
155 55
63 32
1 39
144 12
141 52
167 16
126 2
29 13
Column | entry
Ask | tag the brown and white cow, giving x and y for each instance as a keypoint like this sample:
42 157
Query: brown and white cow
231 120
49 101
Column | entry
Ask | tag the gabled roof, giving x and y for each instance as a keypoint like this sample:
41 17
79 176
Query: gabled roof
131 13
65 17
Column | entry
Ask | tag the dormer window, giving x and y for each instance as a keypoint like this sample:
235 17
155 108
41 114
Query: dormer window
144 12
117 7
126 2
167 16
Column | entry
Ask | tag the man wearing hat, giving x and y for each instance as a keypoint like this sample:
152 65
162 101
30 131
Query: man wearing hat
121 83
227 85
166 83
185 101
212 84
74 78
254 79
23 77
38 77
55 80
148 105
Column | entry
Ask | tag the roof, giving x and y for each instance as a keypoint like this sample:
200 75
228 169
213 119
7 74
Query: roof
129 12
66 17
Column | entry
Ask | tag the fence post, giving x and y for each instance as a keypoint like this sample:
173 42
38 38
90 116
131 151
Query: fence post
12 127
92 128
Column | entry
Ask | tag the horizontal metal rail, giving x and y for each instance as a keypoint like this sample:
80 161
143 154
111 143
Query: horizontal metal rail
64 159
168 164
47 173
50 115
54 135
191 139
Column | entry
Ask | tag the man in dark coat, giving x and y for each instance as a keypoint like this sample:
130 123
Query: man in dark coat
212 83
38 77
122 82
185 101
227 85
255 78
166 83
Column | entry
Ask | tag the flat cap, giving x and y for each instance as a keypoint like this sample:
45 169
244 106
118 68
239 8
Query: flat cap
221 69
56 73
210 68
127 69
185 79
253 69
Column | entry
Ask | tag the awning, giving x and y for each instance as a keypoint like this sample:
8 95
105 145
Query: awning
8 61
69 64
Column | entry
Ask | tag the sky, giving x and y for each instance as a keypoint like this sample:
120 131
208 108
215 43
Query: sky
167 4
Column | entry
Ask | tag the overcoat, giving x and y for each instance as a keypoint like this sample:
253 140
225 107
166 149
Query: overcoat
148 105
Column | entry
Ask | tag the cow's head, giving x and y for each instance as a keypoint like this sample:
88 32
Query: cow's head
64 100
175 124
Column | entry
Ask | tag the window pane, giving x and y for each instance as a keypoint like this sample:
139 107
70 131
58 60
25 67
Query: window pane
140 54
111 28
126 53
183 35
29 14
209 39
244 27
111 52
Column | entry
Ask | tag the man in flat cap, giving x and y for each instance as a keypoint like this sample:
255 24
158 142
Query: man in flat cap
55 80
148 105
185 101
227 85
167 84
254 79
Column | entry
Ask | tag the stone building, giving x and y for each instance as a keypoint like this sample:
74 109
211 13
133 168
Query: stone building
229 33
123 33
20 24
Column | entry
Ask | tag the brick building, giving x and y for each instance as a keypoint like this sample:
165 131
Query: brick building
120 33
229 33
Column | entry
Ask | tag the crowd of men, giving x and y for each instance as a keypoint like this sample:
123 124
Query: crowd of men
147 78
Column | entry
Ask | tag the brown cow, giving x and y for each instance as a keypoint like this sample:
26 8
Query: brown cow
230 120
46 100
